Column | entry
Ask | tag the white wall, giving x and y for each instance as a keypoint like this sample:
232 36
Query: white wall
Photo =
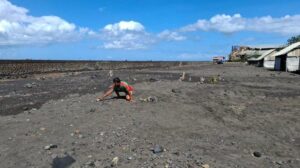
293 63
269 64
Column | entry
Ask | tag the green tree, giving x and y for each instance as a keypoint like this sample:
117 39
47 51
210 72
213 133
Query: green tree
293 39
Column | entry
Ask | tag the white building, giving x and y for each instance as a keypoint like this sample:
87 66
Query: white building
288 59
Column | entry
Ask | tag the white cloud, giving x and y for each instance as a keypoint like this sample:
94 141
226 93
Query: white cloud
171 36
129 35
19 28
287 25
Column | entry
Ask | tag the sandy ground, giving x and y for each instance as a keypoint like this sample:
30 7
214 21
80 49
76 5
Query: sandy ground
218 117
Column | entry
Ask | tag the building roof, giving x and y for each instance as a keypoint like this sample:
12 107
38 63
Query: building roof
268 52
266 47
287 49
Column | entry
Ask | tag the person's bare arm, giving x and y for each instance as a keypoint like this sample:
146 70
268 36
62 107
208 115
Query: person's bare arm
107 93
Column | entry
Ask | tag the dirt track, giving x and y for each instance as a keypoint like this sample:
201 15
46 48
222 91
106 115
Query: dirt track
220 122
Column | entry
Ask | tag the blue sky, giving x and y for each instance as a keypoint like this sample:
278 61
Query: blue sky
141 29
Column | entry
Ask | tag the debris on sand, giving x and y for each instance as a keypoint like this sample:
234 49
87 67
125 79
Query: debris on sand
157 149
110 73
132 79
114 162
257 154
51 146
28 85
202 80
182 77
213 80
62 162
205 166
152 99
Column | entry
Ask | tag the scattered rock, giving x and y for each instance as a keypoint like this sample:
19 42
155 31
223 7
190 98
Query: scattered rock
114 161
157 149
257 154
182 77
176 91
110 73
152 80
132 79
152 99
63 162
149 99
51 146
25 108
129 158
92 110
24 76
205 166
202 80
214 80
42 78
90 163
28 85
42 129
97 164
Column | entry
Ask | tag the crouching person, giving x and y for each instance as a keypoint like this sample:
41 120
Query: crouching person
117 87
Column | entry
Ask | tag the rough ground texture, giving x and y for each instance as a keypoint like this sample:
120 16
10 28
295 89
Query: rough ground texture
218 116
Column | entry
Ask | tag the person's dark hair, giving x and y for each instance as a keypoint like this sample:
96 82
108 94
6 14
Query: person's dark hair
116 80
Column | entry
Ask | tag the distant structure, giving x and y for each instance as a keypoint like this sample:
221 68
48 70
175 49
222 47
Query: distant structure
218 60
252 54
236 54
288 59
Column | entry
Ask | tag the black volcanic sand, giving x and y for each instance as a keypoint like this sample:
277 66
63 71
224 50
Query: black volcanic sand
240 116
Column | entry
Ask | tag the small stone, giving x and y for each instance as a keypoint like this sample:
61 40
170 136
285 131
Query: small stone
110 73
64 161
205 166
157 149
25 108
129 158
23 76
28 85
175 91
153 80
115 161
51 146
257 154
90 163
152 99
97 164
202 80
42 129
90 156
27 119
182 77
72 134
92 110
80 136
